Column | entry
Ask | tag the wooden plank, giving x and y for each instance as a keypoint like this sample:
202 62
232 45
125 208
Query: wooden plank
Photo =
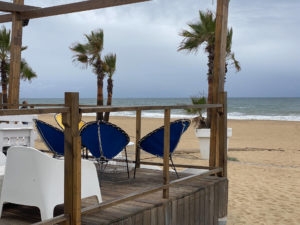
192 208
166 175
160 215
72 201
168 213
218 73
154 216
5 18
216 203
202 207
177 165
186 214
11 7
75 7
56 220
147 217
223 135
135 108
15 56
68 8
174 212
180 211
1 100
211 204
145 191
138 126
5 112
197 208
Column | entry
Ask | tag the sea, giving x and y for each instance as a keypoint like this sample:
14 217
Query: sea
284 109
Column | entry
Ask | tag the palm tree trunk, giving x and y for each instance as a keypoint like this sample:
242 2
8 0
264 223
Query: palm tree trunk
100 96
4 81
211 56
109 96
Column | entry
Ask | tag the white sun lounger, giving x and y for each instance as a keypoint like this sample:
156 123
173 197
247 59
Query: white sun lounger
33 178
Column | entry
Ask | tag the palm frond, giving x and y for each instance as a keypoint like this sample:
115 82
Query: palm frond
110 64
26 71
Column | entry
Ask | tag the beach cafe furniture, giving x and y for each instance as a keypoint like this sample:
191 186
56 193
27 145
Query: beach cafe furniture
104 140
153 142
2 168
52 136
17 130
58 119
34 178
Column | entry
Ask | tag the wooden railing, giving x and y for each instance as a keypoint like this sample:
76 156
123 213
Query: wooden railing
72 112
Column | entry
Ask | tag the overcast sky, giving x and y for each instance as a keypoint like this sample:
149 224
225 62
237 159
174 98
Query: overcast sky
145 38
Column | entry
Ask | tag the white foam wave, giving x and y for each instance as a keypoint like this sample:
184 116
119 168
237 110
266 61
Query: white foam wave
232 115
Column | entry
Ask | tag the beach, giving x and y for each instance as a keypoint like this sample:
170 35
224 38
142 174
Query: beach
264 170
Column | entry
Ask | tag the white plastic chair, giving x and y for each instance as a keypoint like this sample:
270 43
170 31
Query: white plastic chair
33 178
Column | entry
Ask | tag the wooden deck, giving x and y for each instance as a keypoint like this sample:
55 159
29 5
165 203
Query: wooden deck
199 201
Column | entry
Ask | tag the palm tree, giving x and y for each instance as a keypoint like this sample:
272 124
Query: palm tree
203 33
110 68
26 72
89 53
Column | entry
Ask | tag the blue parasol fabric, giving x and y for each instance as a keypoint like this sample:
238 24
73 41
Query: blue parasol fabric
52 136
103 139
153 142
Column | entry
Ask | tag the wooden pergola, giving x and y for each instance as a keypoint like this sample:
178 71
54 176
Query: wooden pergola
17 13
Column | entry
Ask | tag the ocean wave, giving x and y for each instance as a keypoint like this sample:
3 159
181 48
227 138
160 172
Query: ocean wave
242 116
232 115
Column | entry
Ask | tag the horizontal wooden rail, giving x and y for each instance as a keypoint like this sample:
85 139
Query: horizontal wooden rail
161 164
135 108
179 165
30 105
55 220
147 191
5 112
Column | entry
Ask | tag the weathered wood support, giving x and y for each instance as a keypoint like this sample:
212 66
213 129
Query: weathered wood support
222 159
72 205
15 56
29 12
218 75
166 152
137 138
1 100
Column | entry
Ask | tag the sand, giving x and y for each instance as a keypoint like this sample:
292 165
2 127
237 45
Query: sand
264 181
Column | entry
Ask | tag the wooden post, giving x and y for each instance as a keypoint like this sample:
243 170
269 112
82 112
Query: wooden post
218 75
1 100
72 205
137 139
166 151
222 159
15 57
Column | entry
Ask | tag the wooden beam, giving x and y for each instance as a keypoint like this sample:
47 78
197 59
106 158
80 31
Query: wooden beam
15 56
223 136
11 7
218 73
166 172
5 18
135 108
68 8
1 100
75 7
72 146
137 138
